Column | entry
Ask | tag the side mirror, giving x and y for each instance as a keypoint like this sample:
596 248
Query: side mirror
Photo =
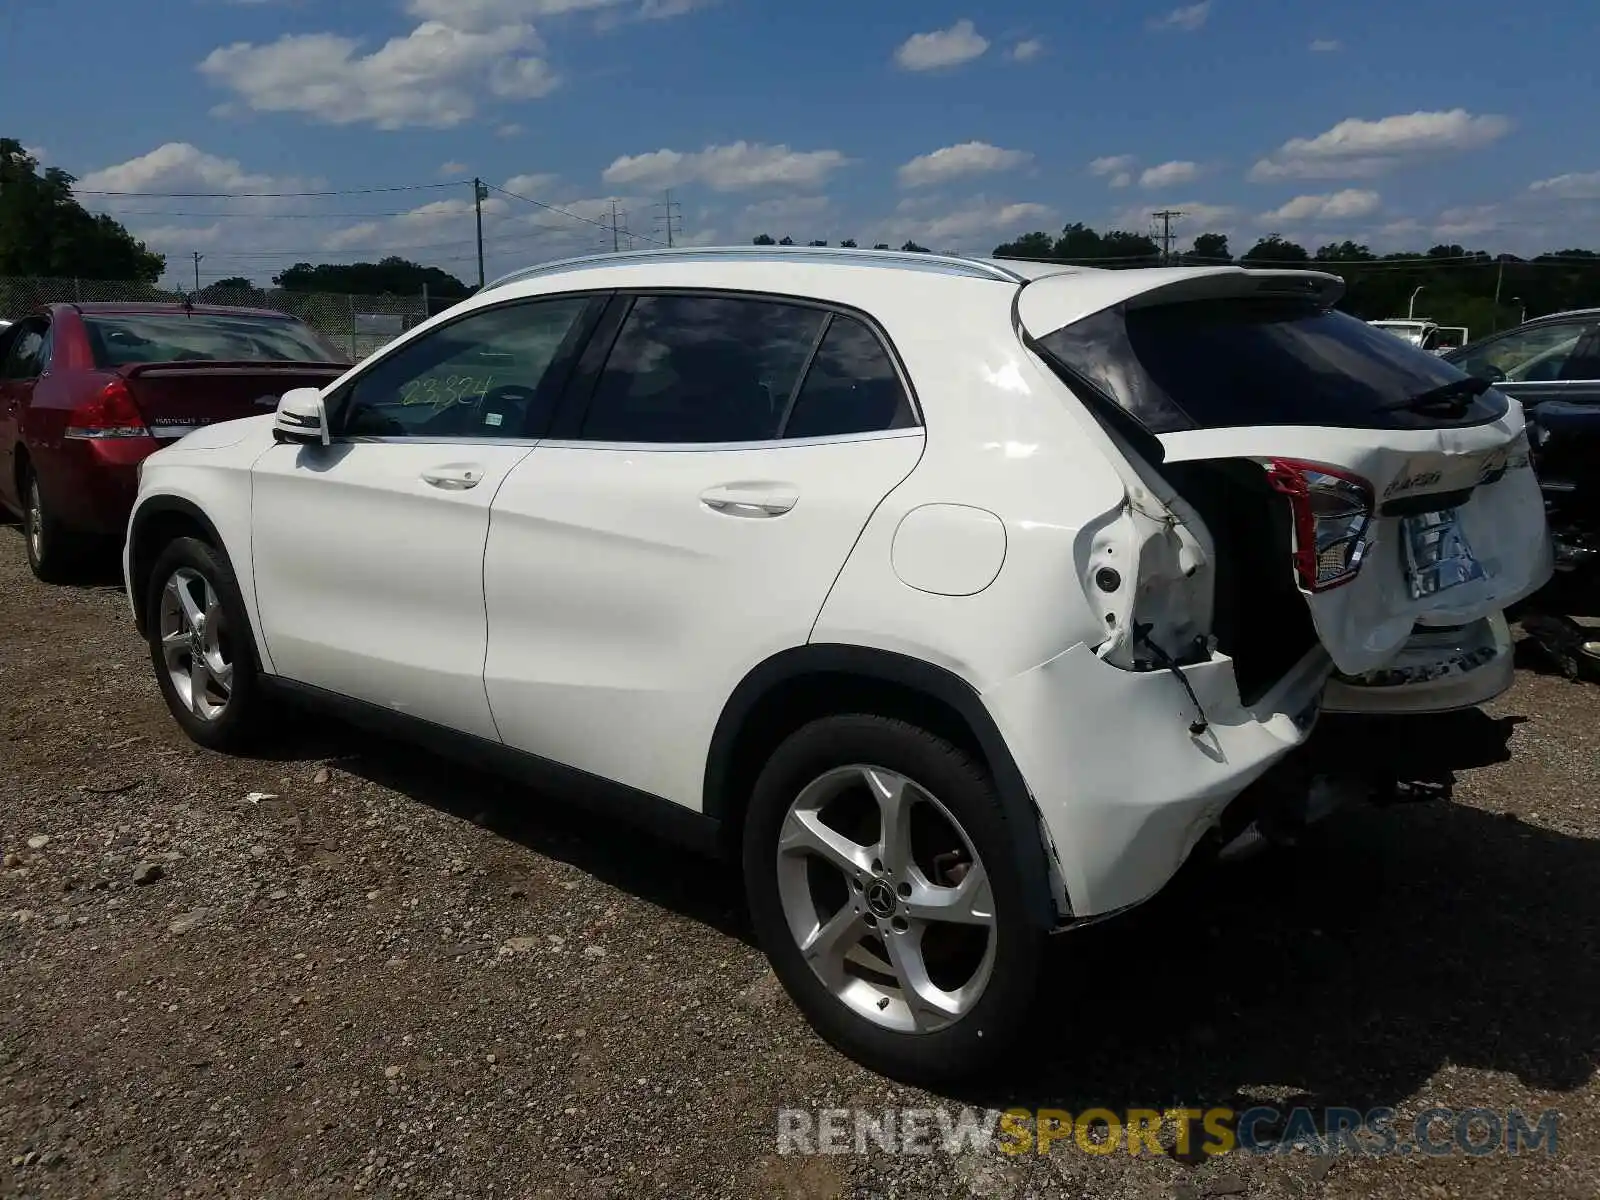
301 418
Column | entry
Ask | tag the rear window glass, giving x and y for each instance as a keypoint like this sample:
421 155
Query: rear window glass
125 338
1215 364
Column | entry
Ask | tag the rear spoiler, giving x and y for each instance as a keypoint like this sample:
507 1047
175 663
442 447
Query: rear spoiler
1056 301
211 366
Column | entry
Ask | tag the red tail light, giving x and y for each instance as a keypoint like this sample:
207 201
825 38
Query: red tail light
1332 514
111 414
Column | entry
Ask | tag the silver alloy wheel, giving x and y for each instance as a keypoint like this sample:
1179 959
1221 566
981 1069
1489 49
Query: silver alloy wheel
891 905
193 635
34 519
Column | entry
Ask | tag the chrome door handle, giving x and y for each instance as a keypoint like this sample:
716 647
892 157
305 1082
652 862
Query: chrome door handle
453 479
736 501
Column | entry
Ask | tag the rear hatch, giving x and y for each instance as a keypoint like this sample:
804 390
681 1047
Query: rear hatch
1405 485
187 368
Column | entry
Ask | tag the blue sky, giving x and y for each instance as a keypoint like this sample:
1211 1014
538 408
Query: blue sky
1399 125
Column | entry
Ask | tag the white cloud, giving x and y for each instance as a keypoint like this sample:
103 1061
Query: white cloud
1116 169
1326 46
977 224
1186 19
1571 186
509 130
522 78
1472 221
1197 217
1027 51
430 77
451 169
1169 174
729 168
183 167
535 186
951 162
941 48
1359 149
487 14
1350 204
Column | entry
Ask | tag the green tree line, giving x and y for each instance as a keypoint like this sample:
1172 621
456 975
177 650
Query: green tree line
1474 288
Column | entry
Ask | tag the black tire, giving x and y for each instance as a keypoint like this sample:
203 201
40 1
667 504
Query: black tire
246 713
55 552
978 1040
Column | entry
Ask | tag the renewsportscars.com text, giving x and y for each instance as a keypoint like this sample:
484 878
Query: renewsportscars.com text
1264 1129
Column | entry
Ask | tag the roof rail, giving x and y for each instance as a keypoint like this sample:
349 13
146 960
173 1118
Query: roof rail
916 260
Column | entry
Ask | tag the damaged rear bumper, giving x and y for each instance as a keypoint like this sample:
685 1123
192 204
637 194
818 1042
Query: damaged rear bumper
1125 785
1439 670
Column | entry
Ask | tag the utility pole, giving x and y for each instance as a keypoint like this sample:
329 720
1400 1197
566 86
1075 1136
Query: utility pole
671 218
616 238
479 195
1166 216
1499 278
197 257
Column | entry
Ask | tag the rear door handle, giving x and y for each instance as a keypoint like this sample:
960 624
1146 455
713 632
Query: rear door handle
453 479
750 500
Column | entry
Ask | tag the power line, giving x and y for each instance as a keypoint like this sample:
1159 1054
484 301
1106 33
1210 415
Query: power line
567 213
369 191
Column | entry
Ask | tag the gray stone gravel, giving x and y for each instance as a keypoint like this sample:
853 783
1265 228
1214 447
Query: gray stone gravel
347 969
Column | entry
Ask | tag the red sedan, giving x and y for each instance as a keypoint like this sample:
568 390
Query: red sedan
89 390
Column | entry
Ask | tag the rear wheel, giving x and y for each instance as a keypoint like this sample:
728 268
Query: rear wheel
876 859
200 646
55 553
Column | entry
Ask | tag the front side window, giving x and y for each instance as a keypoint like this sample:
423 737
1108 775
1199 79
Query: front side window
485 375
698 369
1225 363
122 339
1537 355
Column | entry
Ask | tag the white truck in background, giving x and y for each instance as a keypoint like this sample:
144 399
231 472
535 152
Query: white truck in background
1429 335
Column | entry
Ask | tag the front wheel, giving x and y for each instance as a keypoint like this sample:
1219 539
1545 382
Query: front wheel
876 861
200 646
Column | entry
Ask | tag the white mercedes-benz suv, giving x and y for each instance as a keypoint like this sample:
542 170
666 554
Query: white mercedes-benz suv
961 600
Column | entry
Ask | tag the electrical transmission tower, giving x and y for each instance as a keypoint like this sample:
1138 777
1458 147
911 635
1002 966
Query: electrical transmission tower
619 228
1166 216
671 217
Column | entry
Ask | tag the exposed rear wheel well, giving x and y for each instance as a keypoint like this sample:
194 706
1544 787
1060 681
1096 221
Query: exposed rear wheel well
801 699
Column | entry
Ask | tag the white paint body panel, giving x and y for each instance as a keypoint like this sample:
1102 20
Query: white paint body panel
949 549
623 610
370 579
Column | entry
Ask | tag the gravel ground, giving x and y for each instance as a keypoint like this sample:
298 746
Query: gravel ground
358 970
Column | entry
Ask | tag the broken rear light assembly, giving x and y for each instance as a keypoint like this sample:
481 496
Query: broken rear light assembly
1332 512
111 414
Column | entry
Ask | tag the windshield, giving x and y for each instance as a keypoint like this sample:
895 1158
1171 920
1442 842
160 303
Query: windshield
1214 364
125 338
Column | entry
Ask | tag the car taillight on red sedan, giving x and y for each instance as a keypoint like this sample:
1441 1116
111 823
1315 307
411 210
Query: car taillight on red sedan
1332 514
111 414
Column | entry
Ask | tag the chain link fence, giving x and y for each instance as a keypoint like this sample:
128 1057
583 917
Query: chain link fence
358 325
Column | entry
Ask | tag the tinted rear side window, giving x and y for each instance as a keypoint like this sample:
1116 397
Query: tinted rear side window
851 387
701 369
125 338
1215 364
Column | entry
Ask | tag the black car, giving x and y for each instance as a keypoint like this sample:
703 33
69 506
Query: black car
1552 365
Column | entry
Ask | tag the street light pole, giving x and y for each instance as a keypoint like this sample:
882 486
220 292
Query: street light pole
1411 309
